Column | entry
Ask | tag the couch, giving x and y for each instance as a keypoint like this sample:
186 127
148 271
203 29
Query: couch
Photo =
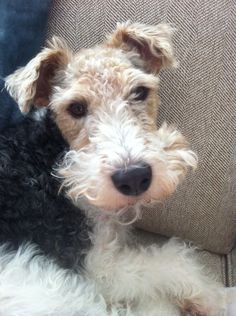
199 97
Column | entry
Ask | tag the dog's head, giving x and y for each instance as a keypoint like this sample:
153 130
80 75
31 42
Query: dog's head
105 103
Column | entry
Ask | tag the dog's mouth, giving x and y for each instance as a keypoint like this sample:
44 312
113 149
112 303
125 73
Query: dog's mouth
124 188
124 202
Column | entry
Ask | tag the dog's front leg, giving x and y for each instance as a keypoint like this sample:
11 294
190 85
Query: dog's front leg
155 274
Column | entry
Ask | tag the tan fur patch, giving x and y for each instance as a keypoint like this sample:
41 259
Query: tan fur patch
47 70
151 42
152 107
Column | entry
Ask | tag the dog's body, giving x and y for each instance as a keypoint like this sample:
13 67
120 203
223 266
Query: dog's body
28 152
104 102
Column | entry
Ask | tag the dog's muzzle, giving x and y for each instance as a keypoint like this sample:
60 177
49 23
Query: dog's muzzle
133 180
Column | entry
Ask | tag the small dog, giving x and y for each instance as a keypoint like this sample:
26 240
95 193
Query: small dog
103 101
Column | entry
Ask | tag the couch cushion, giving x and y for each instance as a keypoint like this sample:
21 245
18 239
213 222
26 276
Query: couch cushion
22 30
9 111
231 267
199 98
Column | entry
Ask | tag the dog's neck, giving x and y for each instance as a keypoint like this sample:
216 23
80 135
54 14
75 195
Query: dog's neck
109 225
124 216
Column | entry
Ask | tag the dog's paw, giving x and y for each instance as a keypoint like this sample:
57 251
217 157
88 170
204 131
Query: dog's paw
208 304
201 308
191 309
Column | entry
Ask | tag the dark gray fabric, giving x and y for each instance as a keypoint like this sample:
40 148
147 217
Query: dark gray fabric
22 31
9 111
199 98
231 267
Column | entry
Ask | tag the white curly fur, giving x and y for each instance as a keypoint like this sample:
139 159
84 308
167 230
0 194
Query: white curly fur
122 141
119 281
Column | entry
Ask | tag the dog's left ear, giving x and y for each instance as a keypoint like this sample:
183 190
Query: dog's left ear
152 43
32 84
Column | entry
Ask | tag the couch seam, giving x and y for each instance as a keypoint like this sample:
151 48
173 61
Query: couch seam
228 270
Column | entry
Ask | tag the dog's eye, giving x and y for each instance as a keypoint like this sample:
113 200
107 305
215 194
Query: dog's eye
77 109
140 93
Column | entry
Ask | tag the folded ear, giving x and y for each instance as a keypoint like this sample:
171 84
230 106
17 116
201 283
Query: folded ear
152 43
32 84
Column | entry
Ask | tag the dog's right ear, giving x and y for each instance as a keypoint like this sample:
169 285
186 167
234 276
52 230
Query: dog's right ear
32 84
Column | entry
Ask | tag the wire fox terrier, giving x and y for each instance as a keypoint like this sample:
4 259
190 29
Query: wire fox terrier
104 102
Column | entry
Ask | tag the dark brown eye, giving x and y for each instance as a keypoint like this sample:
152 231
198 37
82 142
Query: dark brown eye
141 93
77 109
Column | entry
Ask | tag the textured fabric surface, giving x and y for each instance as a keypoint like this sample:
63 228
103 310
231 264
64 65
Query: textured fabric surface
231 267
9 111
199 98
22 30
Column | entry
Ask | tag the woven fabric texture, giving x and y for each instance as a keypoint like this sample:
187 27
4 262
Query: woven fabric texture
231 267
199 98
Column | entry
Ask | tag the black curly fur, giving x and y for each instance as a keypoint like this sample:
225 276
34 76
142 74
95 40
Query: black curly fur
30 207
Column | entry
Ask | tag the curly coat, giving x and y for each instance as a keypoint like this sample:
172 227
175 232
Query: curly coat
31 208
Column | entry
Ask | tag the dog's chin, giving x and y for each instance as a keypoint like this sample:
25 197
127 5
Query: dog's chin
115 206
118 203
112 201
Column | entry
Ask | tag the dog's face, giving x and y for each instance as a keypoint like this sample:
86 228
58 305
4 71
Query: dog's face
105 103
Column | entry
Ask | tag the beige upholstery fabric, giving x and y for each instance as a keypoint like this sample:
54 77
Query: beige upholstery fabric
199 98
231 267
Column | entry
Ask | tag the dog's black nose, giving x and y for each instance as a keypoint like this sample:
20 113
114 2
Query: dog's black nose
134 180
